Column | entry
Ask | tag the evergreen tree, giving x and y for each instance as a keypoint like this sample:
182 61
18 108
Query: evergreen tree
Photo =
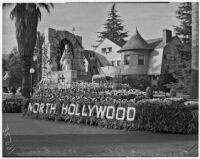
182 69
113 28
14 68
184 30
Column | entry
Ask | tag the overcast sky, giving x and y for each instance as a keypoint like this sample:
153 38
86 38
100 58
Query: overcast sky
87 18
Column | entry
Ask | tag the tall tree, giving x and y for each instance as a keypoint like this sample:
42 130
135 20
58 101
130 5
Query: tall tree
195 51
182 69
27 16
14 68
113 28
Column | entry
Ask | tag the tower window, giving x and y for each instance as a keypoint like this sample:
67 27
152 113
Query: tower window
113 63
126 59
118 62
140 59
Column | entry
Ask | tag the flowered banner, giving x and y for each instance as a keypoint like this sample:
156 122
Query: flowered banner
156 115
100 105
110 112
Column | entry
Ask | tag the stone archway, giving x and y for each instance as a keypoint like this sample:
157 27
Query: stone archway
54 41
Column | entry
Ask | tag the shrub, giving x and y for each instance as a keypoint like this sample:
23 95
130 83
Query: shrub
156 115
12 104
167 116
149 92
172 93
138 82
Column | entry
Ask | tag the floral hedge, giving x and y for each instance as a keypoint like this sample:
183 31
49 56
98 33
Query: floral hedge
154 115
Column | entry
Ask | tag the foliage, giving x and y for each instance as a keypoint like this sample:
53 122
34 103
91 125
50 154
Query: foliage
27 16
14 68
156 115
103 79
167 116
4 66
12 104
182 69
165 81
138 82
114 29
184 14
172 93
149 93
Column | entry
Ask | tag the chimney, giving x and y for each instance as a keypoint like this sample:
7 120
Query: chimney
167 35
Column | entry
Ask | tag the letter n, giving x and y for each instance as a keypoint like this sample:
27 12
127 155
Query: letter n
30 108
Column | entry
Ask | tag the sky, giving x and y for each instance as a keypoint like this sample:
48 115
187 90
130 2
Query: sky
87 19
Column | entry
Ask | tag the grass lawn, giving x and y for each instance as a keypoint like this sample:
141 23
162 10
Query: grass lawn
32 137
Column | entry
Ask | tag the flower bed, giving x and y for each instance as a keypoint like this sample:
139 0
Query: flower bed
150 115
82 105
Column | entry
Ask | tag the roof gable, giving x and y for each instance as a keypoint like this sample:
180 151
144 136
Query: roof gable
136 42
158 42
118 43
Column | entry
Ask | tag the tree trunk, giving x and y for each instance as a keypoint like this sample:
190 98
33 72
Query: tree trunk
195 51
26 77
26 34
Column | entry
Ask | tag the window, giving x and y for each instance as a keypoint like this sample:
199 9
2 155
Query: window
118 62
103 50
126 60
154 77
113 63
109 49
106 50
140 59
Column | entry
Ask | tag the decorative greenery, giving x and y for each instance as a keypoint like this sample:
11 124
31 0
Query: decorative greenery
181 71
138 82
149 92
156 115
12 104
13 66
172 93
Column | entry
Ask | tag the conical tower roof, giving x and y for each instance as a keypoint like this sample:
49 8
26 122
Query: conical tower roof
136 42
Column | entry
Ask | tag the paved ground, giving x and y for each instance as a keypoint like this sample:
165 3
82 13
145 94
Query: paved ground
31 137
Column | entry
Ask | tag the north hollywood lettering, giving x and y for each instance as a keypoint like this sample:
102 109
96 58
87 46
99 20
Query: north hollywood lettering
110 112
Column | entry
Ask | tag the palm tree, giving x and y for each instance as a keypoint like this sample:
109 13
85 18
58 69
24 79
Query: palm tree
195 51
27 16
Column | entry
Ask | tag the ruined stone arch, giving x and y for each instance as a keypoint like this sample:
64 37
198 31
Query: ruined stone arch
55 40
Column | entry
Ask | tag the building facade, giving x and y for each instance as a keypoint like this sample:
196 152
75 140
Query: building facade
139 57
